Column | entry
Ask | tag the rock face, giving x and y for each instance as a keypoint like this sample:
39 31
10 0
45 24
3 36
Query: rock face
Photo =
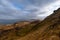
48 29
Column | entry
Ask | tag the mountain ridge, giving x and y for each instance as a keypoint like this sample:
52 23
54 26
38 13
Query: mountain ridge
48 29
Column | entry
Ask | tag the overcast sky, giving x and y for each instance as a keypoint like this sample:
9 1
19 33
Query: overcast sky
27 9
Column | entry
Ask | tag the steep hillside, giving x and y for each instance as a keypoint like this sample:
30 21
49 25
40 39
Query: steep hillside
48 29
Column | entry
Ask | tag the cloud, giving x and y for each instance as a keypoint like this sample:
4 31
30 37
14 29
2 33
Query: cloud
27 9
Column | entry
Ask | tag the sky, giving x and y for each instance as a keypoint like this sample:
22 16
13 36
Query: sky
27 9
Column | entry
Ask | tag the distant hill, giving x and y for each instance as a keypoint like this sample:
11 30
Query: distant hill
48 29
7 21
11 21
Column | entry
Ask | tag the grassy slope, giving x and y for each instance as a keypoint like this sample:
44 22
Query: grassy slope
48 29
16 32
